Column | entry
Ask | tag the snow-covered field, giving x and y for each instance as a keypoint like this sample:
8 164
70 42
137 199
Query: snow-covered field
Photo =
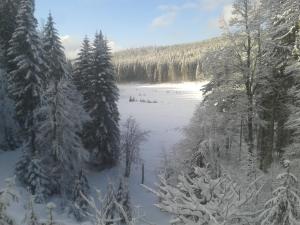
175 104
165 119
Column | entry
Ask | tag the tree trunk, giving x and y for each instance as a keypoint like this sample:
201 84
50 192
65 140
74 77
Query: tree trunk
251 163
143 173
241 139
249 90
54 110
32 134
127 163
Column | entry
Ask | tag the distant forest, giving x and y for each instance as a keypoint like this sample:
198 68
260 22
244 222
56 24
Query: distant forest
164 64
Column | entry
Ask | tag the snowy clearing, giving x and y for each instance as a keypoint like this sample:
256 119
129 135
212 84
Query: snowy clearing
175 104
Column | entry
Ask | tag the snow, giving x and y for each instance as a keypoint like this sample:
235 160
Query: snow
164 120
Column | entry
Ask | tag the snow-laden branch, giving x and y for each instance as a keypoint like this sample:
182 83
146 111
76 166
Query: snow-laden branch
200 199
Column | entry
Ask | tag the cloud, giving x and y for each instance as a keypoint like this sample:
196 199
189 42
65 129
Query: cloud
210 5
164 20
72 46
114 46
169 13
168 16
226 17
227 13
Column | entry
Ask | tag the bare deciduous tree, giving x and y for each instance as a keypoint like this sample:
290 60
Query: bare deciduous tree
132 137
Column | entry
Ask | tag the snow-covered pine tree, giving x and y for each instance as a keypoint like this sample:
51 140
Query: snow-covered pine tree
7 195
8 125
58 133
8 12
38 181
22 165
274 80
54 52
283 207
82 67
60 115
102 131
30 215
32 174
27 74
26 83
80 190
294 106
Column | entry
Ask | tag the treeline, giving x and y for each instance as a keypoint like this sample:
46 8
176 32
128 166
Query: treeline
63 117
246 131
164 64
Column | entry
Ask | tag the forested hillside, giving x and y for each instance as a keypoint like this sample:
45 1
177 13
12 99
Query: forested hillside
163 64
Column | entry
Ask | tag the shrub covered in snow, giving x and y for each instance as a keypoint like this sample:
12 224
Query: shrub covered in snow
283 208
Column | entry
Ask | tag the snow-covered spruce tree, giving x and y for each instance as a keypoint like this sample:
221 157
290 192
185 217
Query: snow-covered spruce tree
54 52
37 180
59 115
294 106
58 133
27 70
32 174
7 195
82 67
100 100
26 83
283 207
80 189
8 125
275 80
8 12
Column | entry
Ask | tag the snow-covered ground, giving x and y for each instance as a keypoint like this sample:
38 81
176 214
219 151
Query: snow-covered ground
164 120
175 106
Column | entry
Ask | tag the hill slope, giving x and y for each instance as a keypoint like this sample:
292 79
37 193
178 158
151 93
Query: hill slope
164 64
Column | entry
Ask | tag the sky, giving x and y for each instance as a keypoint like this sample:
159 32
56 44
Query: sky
134 23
